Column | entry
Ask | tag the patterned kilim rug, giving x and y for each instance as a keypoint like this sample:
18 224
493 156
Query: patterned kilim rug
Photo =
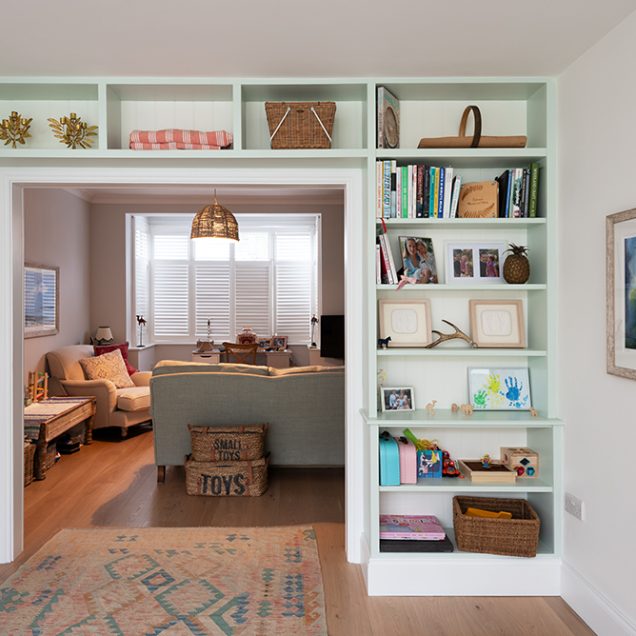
169 581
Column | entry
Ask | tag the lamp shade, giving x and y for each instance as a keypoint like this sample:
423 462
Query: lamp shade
214 221
103 334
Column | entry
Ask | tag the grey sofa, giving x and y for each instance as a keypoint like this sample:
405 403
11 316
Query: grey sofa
304 407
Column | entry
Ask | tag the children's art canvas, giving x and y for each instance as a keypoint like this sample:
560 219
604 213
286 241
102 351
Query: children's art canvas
499 389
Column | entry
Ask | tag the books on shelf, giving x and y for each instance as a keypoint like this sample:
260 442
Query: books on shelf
387 272
411 527
418 191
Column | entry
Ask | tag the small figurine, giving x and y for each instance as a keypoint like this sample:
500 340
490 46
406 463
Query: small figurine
141 321
485 461
533 412
430 408
383 343
454 407
449 468
467 409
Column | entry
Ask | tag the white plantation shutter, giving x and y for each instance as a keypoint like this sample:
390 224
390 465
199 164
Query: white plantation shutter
212 299
253 297
268 281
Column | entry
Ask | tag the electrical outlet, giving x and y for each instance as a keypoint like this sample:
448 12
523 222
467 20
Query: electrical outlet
574 506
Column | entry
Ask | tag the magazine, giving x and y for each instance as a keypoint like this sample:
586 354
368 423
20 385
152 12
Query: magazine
417 527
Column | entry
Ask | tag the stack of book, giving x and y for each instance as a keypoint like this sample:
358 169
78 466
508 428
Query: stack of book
518 192
413 533
386 272
416 191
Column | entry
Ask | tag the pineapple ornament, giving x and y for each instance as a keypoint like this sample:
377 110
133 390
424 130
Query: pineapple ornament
516 269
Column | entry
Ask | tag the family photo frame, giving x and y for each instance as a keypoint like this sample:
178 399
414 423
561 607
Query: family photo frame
621 293
397 398
418 259
474 262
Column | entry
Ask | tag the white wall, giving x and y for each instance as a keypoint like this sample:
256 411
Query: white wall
56 233
597 140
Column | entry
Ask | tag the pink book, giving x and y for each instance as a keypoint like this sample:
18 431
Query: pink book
414 527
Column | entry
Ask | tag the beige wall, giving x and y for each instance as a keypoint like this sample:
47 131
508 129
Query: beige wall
57 233
108 257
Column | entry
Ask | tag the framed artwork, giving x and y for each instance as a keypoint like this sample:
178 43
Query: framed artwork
418 258
397 398
497 323
278 343
406 322
499 389
41 300
474 262
621 293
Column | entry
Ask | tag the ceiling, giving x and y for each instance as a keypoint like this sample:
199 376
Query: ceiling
350 38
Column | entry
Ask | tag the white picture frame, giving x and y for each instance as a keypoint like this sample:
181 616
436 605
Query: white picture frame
406 322
497 323
475 263
499 388
400 398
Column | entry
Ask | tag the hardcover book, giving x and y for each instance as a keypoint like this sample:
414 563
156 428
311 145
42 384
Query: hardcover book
388 117
414 527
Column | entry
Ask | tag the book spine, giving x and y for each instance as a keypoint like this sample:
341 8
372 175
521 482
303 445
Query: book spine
398 192
426 191
525 192
509 194
431 196
534 190
394 278
378 265
419 205
448 190
380 117
393 189
385 258
516 211
405 190
457 184
378 189
386 189
414 187
436 193
409 185
442 187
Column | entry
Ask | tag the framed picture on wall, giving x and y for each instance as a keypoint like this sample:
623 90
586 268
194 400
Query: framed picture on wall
621 293
41 300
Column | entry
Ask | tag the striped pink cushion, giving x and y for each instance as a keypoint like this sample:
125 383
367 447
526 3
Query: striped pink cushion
220 138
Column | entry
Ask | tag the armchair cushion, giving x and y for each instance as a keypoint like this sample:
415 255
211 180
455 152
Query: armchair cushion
100 350
64 362
109 366
134 399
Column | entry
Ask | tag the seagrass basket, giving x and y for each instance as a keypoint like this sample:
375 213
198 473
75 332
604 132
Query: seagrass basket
300 124
29 458
518 536
227 443
226 479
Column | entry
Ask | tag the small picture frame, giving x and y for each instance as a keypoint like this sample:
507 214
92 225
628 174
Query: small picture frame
264 343
406 322
497 323
278 343
400 398
499 388
474 263
418 259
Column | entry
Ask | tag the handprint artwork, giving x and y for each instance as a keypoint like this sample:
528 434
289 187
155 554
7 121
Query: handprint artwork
488 391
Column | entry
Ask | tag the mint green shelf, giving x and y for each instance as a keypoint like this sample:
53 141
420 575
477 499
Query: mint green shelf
455 484
409 352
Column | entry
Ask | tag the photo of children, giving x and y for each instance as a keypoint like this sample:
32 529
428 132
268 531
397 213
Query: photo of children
418 259
463 263
489 263
397 399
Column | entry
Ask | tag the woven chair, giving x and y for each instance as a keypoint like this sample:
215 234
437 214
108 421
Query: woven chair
241 353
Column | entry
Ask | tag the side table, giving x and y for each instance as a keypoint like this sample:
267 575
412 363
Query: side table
46 420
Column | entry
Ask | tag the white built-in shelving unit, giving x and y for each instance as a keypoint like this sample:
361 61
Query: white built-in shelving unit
428 107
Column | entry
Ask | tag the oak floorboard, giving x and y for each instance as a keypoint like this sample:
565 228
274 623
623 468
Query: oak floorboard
112 483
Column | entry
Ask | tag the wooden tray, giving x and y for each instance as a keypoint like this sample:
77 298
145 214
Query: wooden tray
496 474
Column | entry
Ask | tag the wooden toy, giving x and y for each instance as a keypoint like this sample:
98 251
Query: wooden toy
383 343
466 409
454 407
430 408
533 412
495 473
38 386
524 461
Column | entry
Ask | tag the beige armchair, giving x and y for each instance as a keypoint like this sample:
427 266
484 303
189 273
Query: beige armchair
122 408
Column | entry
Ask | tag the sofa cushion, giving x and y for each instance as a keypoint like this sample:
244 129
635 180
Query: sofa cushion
135 399
109 366
177 366
123 347
308 369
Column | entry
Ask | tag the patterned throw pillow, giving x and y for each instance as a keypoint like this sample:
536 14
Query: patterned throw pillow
109 366
102 349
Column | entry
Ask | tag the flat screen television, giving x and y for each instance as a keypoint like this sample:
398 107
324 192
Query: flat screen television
332 336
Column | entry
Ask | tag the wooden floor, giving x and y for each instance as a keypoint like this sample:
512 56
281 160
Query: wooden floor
113 483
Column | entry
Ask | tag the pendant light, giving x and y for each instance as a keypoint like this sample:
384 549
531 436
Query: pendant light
215 221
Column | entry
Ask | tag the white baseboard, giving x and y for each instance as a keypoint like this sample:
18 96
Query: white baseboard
593 606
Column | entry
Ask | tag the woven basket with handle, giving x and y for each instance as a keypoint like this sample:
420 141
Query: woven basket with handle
518 536
300 124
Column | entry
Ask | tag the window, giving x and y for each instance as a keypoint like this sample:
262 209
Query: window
268 281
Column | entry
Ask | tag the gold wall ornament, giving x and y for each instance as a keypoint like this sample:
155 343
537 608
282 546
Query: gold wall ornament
15 129
72 131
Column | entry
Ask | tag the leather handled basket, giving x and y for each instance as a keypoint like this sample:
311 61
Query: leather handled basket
300 124
477 140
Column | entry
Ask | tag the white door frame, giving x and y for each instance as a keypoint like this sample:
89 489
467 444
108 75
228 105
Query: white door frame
12 183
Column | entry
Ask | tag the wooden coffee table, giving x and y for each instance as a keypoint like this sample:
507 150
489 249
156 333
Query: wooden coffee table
46 420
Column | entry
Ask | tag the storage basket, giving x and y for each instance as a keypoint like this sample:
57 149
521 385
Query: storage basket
29 457
227 443
300 124
226 479
518 536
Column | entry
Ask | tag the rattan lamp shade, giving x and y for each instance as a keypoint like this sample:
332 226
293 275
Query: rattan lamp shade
214 221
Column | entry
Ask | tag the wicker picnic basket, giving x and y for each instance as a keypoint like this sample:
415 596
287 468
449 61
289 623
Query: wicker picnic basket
29 458
518 536
226 479
227 443
300 124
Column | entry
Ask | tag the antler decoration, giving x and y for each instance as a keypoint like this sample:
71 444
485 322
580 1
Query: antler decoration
15 129
72 131
443 337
